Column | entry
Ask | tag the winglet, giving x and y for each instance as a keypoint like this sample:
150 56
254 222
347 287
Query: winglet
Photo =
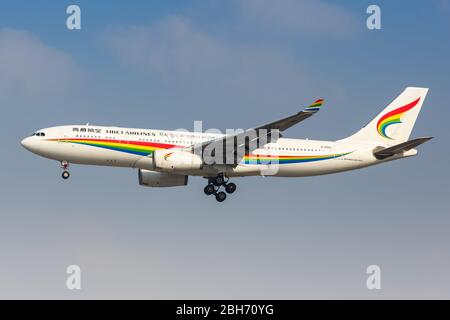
315 106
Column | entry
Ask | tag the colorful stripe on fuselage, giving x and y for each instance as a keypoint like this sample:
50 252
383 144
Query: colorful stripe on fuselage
146 148
134 147
260 159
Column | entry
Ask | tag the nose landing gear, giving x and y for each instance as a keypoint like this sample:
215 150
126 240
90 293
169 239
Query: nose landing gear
214 185
66 174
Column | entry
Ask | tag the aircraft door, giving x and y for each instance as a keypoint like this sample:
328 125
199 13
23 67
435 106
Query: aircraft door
336 149
63 135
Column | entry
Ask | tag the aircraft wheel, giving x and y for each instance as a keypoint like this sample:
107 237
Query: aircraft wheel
219 180
221 196
209 189
230 187
65 175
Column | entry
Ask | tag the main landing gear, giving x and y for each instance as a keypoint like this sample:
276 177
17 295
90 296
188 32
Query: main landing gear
214 185
65 166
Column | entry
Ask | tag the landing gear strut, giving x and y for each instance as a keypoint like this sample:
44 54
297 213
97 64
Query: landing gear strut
66 174
214 185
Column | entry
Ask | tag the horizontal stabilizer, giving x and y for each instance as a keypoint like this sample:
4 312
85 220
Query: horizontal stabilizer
399 148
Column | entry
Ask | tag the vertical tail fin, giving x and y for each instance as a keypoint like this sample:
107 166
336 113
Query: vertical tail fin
396 121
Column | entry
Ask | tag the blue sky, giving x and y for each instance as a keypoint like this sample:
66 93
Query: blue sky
231 64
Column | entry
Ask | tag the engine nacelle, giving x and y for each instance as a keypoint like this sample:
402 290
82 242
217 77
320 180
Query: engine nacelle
176 160
161 179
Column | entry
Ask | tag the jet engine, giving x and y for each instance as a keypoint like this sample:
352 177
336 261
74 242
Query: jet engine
161 179
176 160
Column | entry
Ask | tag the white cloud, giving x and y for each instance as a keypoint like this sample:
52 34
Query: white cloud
29 68
308 17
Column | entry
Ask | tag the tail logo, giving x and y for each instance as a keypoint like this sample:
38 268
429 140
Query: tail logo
393 117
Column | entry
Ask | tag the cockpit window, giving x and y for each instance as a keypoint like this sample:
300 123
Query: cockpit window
39 134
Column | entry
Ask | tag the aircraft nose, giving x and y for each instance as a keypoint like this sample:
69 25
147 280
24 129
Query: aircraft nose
26 143
31 145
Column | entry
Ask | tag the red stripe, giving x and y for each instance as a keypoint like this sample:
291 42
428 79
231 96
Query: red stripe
399 110
125 142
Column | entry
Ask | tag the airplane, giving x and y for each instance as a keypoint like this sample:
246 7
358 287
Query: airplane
167 158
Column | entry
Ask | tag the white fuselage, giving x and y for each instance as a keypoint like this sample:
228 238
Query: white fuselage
127 147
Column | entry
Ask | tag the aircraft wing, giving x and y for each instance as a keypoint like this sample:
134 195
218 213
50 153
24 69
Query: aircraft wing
290 121
399 148
251 139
